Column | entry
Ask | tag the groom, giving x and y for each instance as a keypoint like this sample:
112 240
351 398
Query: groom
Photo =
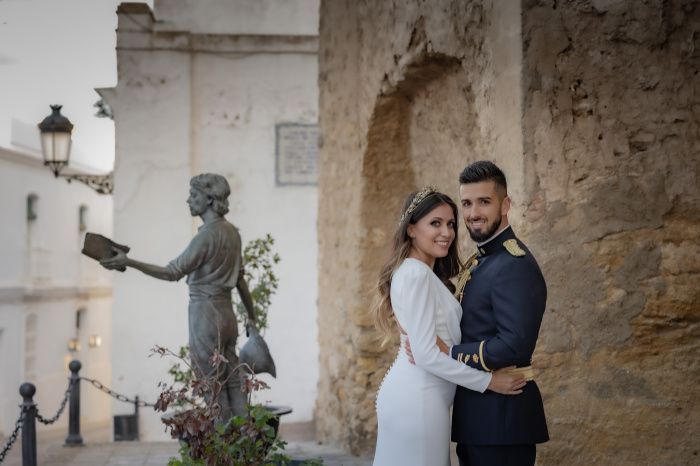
503 295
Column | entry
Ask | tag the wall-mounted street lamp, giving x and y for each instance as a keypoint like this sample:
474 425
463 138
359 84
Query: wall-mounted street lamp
56 132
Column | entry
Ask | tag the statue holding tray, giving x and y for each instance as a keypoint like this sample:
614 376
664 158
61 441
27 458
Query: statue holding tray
212 264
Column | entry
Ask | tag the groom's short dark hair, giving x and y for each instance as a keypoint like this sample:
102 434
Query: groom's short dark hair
484 170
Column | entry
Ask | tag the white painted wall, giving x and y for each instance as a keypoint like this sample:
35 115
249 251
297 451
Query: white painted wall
256 92
271 17
152 172
179 113
44 280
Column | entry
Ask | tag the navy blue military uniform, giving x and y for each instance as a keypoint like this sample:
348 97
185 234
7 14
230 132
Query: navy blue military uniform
502 305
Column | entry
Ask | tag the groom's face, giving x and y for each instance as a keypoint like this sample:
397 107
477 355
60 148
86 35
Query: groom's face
484 208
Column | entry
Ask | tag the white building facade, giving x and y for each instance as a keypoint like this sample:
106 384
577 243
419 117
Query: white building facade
228 87
50 294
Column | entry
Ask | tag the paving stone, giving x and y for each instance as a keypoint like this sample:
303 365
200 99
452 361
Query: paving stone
98 451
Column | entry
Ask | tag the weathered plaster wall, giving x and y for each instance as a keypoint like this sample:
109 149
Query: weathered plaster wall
591 109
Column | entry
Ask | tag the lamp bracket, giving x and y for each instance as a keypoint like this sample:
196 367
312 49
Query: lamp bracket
103 184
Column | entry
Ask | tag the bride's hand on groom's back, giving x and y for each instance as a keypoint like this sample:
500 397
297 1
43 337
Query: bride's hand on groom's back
505 383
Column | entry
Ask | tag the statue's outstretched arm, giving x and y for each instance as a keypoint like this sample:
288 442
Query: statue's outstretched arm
120 260
244 293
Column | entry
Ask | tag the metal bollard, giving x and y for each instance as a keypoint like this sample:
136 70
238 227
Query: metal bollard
27 390
136 415
74 438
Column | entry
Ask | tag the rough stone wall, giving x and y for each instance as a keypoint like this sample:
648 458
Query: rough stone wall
611 127
591 109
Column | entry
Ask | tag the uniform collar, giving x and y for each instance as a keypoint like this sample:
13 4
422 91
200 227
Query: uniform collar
496 241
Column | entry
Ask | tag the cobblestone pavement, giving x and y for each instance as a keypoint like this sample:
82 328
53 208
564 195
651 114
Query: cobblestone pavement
98 451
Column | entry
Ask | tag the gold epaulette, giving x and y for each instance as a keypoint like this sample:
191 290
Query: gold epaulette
464 275
514 248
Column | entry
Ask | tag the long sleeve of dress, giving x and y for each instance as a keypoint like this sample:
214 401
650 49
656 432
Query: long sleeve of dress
415 307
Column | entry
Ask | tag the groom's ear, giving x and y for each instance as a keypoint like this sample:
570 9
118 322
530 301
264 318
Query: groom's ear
505 205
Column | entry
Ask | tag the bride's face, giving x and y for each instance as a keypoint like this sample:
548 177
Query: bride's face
432 235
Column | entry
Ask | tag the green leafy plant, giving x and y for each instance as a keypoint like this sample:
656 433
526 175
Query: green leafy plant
259 260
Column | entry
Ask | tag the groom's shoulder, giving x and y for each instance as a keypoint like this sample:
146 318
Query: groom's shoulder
515 250
517 259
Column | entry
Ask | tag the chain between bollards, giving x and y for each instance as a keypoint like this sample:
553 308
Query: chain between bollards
26 423
53 419
100 386
74 438
13 436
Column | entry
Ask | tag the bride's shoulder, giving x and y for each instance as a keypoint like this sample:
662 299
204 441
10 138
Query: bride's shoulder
412 270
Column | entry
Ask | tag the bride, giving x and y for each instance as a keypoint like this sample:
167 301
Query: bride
414 400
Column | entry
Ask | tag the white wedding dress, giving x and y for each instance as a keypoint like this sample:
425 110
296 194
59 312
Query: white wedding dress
413 403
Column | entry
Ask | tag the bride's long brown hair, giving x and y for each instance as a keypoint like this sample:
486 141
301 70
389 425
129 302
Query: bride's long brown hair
445 267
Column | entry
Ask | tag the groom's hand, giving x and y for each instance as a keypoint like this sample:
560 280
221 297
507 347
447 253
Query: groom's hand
505 383
442 346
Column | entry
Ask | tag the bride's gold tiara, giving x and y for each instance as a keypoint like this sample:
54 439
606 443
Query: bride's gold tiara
417 199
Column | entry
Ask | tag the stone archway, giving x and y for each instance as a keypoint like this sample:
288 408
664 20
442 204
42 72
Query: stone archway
410 143
391 168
